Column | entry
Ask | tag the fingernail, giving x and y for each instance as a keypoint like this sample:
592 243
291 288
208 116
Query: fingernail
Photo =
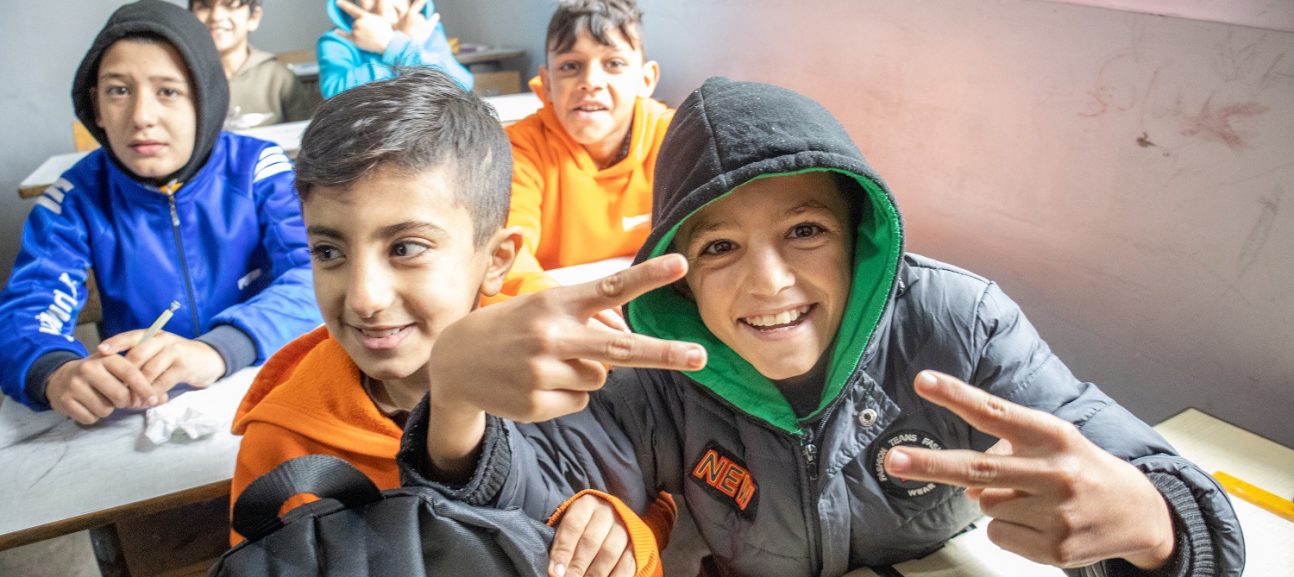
696 358
899 461
559 570
927 380
152 400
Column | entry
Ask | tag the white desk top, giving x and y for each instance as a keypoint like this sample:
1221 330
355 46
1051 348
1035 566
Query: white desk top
1210 443
54 469
510 107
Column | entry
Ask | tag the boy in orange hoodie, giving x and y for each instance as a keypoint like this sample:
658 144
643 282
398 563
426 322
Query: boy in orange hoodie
404 191
582 180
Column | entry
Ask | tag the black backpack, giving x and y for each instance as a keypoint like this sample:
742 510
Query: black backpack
356 530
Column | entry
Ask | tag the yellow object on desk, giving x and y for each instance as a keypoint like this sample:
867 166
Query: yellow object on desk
1265 500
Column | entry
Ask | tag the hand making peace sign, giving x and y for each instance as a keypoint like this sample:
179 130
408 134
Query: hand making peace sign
1055 497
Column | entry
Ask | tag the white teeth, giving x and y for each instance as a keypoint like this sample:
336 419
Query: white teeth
782 318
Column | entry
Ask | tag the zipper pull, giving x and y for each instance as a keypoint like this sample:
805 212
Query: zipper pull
169 190
810 452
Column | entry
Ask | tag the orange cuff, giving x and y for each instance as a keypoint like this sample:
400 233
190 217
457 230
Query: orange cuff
642 535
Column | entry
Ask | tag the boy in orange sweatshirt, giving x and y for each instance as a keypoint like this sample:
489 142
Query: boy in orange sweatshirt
582 180
404 191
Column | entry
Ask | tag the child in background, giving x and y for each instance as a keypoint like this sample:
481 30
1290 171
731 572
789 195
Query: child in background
374 37
168 209
809 436
582 181
404 188
261 90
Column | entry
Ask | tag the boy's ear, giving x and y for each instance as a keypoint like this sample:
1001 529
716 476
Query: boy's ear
254 19
502 251
548 86
651 75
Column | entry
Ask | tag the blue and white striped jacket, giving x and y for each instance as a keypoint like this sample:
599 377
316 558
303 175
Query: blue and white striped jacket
229 245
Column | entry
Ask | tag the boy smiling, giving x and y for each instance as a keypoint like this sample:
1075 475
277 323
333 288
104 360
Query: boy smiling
405 220
261 90
855 405
584 163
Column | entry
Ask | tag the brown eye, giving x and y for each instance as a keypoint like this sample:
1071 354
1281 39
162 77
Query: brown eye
807 230
717 247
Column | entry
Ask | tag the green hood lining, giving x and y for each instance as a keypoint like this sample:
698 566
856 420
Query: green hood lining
666 314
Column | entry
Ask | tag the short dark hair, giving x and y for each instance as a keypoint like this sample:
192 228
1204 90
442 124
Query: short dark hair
420 120
250 4
595 17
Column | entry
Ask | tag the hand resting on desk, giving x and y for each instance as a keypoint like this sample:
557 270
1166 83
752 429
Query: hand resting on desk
92 388
1055 497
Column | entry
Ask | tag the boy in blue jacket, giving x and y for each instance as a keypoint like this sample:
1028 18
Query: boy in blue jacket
829 401
374 37
170 209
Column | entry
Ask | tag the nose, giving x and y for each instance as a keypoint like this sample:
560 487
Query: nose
768 271
593 78
369 290
144 112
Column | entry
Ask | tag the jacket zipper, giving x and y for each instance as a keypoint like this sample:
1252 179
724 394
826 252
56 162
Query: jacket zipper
169 190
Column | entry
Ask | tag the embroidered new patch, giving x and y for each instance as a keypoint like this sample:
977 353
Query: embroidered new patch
894 485
726 477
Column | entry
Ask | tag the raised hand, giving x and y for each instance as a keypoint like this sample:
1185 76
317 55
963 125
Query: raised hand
413 24
1054 496
537 357
372 27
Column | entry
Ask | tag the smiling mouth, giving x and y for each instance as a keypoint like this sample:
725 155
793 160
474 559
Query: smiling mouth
384 338
785 319
590 108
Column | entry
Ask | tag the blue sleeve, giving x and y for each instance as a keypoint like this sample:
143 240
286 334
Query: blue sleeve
1016 364
286 308
434 51
45 291
343 66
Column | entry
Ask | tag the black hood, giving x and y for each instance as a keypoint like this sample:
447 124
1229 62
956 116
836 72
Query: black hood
191 39
724 135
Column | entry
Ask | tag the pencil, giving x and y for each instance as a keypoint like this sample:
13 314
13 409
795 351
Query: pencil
159 323
1269 502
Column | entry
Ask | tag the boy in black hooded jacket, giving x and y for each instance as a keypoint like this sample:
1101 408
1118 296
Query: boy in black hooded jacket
827 424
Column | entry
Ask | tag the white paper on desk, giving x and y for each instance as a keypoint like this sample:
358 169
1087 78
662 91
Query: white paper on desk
186 414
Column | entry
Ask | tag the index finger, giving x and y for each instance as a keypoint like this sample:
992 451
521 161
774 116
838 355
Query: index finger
612 291
119 342
349 8
416 7
1025 428
965 468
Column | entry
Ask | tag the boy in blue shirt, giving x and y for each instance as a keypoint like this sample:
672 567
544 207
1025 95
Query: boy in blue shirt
168 209
829 401
374 37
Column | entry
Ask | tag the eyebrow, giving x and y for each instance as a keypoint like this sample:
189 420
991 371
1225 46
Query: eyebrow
384 232
120 76
806 206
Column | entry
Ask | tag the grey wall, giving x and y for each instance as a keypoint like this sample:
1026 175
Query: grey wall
44 44
1127 178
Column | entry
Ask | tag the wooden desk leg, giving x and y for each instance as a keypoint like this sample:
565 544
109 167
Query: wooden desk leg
107 551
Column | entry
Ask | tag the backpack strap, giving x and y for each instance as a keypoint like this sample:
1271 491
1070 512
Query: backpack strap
256 513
